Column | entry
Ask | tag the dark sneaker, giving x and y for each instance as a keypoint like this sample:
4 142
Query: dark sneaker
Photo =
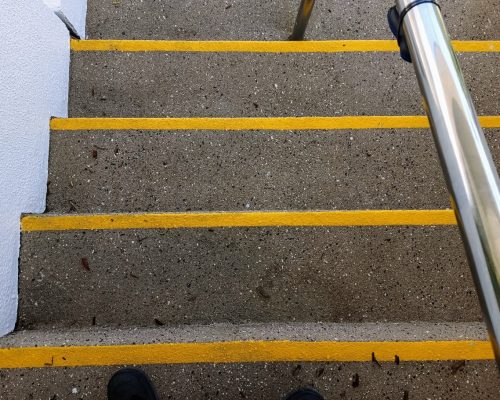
131 384
305 394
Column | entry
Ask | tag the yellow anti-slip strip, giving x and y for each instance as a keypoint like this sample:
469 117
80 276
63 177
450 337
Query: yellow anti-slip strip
278 123
327 46
242 352
33 223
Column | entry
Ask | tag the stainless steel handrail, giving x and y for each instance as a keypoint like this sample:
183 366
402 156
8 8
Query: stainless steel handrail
305 10
466 161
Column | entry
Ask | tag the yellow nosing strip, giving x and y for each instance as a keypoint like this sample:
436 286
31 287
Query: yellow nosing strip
325 46
33 223
235 124
242 352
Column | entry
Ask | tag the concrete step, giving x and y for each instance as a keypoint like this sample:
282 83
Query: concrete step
156 171
265 20
187 84
355 361
79 271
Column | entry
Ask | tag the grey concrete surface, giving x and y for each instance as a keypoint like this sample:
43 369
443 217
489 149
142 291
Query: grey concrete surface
309 332
272 20
289 278
238 275
126 171
415 381
105 84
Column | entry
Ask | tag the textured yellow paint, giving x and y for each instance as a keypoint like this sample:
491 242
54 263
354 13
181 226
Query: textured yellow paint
329 46
490 121
235 124
476 46
242 352
32 223
326 46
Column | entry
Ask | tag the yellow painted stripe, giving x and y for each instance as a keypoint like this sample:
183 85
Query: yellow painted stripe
242 352
476 46
326 46
236 219
235 124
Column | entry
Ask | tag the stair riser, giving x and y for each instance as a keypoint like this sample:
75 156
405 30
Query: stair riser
245 84
478 380
244 274
265 20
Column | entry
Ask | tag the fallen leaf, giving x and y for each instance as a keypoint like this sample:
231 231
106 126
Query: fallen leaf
263 292
458 366
296 370
85 264
355 381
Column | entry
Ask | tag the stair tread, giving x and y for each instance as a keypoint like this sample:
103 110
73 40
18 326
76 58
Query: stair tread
262 19
156 84
156 171
265 274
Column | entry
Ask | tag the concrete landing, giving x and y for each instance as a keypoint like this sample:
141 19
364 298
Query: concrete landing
266 381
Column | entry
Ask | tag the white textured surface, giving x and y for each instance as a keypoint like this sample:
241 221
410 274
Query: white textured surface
72 11
9 250
34 75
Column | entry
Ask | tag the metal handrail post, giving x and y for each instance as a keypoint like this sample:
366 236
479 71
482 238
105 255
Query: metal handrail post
465 158
305 10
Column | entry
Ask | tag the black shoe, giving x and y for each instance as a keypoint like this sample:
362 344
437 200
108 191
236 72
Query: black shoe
305 394
131 384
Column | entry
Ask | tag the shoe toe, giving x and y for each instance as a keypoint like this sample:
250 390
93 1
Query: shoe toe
305 394
131 384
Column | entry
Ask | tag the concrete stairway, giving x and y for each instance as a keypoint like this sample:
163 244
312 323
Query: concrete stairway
185 240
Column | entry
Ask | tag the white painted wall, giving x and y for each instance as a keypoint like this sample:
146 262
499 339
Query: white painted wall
34 75
72 13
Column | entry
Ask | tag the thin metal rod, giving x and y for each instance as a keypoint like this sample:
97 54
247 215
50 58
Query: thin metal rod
466 160
305 10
